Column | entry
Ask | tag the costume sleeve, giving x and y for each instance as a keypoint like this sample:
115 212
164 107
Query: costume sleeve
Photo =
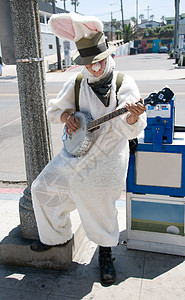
65 101
129 92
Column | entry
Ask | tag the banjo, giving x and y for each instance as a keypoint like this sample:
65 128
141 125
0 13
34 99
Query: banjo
78 143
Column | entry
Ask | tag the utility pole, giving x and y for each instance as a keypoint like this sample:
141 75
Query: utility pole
148 12
64 4
122 17
136 15
32 98
57 40
176 31
111 26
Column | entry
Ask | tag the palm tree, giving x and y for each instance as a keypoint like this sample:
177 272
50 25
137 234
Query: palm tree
141 16
163 20
115 23
128 33
152 17
133 19
75 3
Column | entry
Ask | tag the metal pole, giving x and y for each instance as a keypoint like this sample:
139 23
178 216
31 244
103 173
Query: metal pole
148 11
136 15
122 14
64 4
122 17
32 97
111 25
176 32
57 41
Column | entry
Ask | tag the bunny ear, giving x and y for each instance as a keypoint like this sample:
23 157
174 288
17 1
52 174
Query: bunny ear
86 26
62 26
73 26
94 24
91 26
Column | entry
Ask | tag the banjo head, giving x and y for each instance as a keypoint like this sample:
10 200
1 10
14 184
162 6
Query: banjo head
78 143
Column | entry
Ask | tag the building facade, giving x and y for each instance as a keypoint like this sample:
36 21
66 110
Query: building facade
148 24
171 20
48 38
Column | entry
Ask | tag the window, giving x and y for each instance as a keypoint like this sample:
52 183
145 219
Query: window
50 46
42 19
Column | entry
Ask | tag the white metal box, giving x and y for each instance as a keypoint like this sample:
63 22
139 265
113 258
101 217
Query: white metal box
156 223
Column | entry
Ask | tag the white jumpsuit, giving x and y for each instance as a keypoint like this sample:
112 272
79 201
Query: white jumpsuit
91 183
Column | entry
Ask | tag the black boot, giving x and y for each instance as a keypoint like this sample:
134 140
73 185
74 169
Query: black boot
107 270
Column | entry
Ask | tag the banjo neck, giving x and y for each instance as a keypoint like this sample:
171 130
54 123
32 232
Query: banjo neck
97 122
78 143
163 96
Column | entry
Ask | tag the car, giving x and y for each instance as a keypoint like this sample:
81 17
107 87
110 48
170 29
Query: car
163 49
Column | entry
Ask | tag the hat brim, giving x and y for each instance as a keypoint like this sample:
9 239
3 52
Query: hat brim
95 58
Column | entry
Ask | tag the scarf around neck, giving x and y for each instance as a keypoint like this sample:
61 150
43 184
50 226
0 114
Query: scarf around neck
102 88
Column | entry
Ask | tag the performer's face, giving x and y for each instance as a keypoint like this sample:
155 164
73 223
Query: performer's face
98 68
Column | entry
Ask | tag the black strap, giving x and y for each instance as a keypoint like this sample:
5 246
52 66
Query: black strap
78 80
119 81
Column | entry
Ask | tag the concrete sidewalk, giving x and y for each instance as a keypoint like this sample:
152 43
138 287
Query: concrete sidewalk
170 71
140 275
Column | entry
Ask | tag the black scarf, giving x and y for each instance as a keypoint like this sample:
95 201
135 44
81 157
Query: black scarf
102 88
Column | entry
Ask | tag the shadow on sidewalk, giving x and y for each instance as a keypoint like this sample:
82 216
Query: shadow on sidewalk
82 278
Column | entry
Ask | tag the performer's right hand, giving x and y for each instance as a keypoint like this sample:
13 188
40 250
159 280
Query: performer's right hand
71 122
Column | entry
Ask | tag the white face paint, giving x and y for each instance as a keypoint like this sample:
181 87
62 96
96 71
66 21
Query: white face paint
96 67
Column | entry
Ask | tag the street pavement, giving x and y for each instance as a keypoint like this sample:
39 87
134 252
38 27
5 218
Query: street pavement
140 275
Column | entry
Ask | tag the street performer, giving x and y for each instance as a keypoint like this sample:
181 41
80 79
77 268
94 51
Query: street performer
93 182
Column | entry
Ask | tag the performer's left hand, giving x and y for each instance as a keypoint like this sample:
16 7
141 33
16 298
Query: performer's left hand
135 110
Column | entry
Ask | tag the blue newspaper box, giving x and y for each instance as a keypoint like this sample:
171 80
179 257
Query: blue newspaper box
156 198
155 193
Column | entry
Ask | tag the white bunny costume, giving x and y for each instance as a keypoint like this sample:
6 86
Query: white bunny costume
91 183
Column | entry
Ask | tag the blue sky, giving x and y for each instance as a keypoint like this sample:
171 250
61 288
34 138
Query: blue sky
102 8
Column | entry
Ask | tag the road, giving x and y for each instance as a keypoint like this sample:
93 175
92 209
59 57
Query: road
151 72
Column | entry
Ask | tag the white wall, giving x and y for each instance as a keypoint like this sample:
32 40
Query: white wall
49 41
49 44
